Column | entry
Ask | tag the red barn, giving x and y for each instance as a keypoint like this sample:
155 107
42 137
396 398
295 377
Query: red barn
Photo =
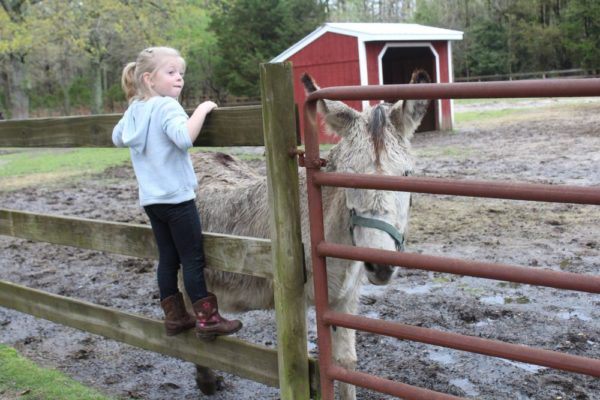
340 54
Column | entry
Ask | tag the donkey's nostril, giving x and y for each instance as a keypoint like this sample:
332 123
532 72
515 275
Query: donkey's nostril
369 267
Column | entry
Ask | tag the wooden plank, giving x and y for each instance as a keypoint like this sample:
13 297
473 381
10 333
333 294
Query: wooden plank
227 354
232 126
227 126
277 93
250 256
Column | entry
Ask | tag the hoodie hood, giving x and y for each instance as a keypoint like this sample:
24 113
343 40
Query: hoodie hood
136 123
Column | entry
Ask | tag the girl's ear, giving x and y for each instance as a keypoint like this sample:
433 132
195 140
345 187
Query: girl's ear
147 78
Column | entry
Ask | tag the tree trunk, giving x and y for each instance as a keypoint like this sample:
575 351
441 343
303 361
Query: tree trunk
17 83
96 72
66 99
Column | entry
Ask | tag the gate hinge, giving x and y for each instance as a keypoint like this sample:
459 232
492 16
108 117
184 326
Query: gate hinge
307 162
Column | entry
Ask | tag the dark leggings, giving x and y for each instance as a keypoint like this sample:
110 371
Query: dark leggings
178 235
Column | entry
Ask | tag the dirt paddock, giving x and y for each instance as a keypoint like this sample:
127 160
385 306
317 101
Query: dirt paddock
558 144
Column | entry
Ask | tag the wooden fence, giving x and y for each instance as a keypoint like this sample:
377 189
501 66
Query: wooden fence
273 124
563 73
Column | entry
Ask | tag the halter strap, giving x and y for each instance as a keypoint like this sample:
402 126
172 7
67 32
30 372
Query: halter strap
356 220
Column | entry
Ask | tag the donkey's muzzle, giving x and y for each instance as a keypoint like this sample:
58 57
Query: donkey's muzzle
379 274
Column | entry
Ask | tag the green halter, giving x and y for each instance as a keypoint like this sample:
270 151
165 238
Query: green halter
391 230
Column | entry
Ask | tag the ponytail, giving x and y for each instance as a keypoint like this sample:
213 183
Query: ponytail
128 81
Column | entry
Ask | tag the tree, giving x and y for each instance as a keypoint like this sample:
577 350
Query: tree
370 10
99 26
581 28
188 31
501 36
462 15
250 32
98 33
17 32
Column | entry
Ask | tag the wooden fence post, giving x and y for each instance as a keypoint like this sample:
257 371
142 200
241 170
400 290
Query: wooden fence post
279 126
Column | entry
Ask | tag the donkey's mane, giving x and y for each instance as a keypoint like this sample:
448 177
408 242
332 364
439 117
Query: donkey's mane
376 128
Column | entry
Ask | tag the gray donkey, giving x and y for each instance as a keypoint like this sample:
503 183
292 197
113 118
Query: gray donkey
232 199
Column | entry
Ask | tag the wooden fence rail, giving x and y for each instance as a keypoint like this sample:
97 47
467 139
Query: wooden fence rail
273 125
228 126
228 354
237 254
244 255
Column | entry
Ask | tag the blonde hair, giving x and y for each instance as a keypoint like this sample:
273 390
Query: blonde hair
149 60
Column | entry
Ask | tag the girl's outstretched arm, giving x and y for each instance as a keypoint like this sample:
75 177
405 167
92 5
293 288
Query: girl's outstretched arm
194 124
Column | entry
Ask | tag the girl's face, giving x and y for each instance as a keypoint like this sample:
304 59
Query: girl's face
167 80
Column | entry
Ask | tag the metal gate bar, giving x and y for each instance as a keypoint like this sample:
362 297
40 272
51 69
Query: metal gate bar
387 386
501 272
517 352
472 90
325 318
472 188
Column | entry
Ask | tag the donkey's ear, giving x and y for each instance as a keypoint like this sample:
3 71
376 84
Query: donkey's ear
338 117
406 116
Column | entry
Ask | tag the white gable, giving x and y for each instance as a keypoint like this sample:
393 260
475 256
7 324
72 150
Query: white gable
368 32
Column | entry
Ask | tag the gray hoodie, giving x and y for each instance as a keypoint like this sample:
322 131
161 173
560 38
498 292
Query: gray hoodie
155 131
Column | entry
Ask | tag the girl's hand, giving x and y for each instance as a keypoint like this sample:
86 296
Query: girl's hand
206 106
194 124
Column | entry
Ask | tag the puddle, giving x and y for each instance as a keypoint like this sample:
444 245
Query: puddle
421 289
485 322
492 300
373 291
465 385
372 314
574 314
527 367
443 357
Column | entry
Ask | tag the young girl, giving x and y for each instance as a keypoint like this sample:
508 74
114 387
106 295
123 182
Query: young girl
158 133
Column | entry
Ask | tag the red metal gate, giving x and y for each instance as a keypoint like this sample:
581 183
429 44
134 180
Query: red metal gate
532 192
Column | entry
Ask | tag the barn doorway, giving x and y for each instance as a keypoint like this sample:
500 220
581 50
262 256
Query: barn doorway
397 65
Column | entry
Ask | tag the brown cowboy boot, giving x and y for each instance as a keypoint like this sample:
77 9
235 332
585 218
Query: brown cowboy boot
209 323
177 319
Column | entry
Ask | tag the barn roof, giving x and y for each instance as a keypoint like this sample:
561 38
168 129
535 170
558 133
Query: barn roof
368 32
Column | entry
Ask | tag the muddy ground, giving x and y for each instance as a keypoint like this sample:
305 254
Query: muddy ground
557 144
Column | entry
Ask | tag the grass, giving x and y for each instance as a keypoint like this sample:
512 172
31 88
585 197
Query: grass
40 161
448 151
24 380
471 116
513 108
489 101
25 167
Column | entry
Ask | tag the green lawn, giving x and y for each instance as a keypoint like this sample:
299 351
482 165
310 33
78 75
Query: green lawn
516 108
24 380
24 167
19 162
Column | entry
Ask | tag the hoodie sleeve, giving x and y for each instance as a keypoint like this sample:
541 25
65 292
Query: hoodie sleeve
117 134
174 123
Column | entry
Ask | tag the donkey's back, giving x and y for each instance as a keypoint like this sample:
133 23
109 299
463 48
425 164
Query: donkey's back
232 199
